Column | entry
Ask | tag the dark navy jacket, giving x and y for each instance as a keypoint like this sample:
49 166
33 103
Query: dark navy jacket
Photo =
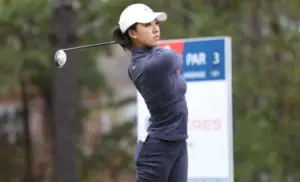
155 74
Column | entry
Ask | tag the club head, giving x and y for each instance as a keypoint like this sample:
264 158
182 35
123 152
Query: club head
60 58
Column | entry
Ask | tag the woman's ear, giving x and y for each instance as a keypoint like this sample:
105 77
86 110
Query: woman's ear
132 34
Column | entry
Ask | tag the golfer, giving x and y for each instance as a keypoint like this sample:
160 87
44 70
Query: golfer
161 156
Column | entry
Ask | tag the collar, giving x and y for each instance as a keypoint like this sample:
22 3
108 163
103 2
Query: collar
142 50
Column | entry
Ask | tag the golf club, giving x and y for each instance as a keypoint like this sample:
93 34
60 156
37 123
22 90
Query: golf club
60 57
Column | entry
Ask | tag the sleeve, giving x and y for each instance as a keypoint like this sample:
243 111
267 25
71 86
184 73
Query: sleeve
166 61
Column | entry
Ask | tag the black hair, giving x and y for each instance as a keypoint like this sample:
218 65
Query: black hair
123 39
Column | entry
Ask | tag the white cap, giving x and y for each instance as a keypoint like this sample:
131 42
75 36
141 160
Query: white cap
139 13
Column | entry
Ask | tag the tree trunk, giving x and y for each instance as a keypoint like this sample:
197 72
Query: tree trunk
28 144
65 93
186 4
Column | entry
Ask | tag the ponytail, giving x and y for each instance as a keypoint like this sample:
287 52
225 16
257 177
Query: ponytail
123 39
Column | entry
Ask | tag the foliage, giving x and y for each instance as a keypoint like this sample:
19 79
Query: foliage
266 76
26 52
113 152
11 155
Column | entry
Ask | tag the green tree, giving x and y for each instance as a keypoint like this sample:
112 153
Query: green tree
26 52
265 73
265 68
112 155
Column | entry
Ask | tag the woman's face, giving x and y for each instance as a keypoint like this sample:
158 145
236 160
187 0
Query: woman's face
145 35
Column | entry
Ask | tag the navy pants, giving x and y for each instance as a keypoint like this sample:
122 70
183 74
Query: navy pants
161 161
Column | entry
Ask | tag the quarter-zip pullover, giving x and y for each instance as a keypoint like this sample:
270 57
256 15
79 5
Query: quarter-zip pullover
155 73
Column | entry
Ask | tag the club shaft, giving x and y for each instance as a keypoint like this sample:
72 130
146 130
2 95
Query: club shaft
88 46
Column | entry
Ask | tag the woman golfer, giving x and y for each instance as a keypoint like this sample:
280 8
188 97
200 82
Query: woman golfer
162 155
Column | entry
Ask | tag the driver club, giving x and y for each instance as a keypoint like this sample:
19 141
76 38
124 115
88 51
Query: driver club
60 57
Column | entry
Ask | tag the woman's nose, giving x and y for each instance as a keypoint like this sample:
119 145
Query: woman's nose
155 28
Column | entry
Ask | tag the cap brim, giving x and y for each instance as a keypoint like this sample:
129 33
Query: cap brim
160 16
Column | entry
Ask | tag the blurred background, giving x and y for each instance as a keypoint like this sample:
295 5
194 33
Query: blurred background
78 123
